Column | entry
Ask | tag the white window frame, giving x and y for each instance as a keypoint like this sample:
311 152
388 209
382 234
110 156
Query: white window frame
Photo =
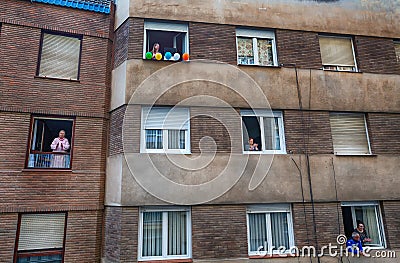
379 220
267 209
165 211
366 134
262 114
397 42
257 34
165 26
340 67
164 149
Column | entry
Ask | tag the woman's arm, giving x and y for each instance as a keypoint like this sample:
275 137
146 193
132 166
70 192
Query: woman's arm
54 144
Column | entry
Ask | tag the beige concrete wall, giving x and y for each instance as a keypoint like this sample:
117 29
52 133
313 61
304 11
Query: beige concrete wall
357 178
358 17
321 90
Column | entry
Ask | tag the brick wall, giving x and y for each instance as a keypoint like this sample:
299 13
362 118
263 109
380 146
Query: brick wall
129 41
219 232
376 55
83 236
212 41
8 231
316 131
298 47
116 124
326 219
121 43
384 133
121 234
392 222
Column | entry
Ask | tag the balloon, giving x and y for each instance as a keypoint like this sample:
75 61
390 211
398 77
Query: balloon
167 55
149 55
185 56
177 56
158 56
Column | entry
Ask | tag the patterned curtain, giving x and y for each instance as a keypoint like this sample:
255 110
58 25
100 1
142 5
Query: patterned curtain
245 50
265 56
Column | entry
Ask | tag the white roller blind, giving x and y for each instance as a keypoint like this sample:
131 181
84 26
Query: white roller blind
336 51
349 133
163 26
244 32
41 231
60 56
166 118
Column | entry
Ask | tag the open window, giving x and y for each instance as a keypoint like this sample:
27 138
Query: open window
171 37
269 227
165 233
50 143
337 53
41 238
397 50
256 47
369 214
262 131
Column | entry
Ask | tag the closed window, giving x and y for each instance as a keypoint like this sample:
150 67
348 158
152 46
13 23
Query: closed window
270 228
397 50
337 53
60 56
165 129
256 47
369 215
50 143
164 234
349 134
163 37
262 131
41 238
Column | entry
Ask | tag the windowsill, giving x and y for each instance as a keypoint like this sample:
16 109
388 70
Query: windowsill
263 66
166 260
261 152
54 78
41 170
343 71
162 60
355 155
271 256
166 152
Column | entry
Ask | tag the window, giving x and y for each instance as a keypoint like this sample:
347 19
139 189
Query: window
256 47
337 53
60 56
349 134
266 130
41 238
370 215
171 37
48 147
269 227
165 129
397 50
165 234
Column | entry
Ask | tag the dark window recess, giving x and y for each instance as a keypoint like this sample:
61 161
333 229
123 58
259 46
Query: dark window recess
169 41
47 149
251 129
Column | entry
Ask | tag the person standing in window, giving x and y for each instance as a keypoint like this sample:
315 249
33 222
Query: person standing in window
354 245
251 146
60 145
362 232
155 50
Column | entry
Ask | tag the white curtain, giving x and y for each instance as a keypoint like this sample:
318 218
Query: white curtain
176 139
271 134
336 51
152 234
177 233
279 230
258 231
367 215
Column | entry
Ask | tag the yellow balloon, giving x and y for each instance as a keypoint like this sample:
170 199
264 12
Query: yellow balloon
158 56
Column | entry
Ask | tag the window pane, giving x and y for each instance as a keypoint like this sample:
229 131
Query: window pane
265 55
154 139
336 51
152 234
251 130
41 259
279 230
397 50
367 215
245 50
177 233
176 139
258 231
271 133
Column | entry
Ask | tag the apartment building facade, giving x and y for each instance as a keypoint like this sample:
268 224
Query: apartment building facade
55 86
281 129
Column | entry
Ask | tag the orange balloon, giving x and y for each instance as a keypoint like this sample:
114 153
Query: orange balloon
185 56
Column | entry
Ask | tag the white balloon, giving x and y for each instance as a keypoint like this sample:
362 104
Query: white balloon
177 56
